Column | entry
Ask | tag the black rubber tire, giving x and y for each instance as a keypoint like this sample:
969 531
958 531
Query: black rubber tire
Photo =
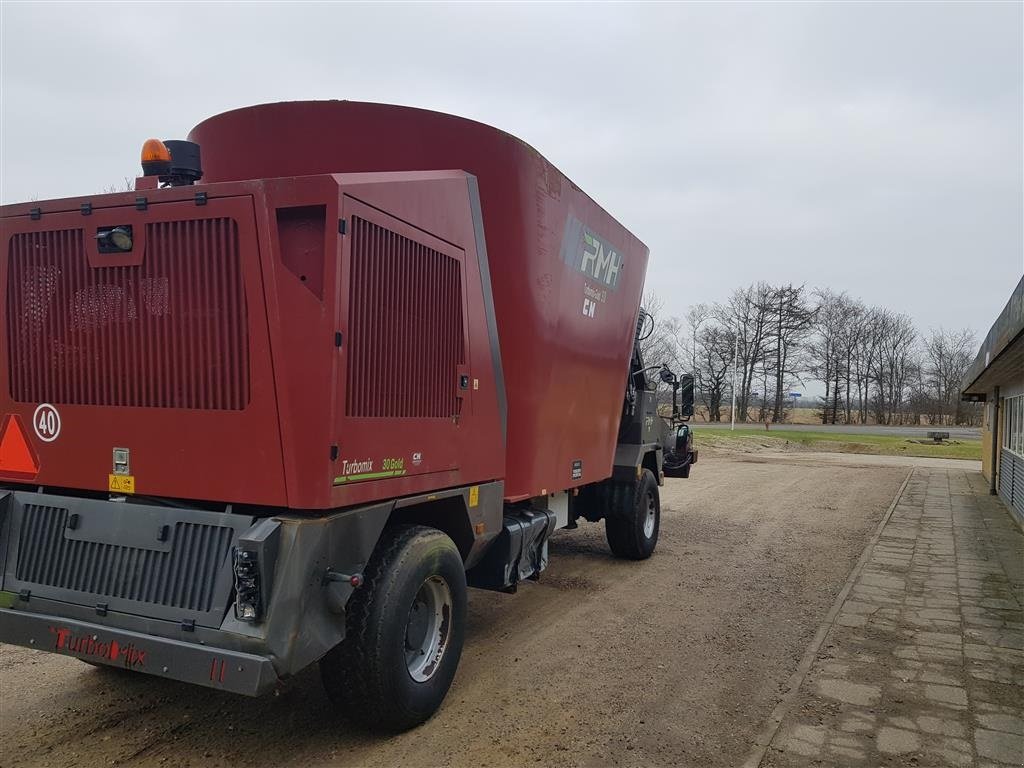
367 675
624 521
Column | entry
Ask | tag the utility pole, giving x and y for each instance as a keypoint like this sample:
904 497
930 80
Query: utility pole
735 363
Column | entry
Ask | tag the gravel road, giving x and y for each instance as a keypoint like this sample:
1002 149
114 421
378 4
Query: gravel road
674 661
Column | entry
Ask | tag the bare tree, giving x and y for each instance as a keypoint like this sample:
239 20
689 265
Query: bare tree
696 317
873 363
660 342
838 328
946 357
747 314
892 365
864 352
824 347
714 353
126 185
849 340
792 320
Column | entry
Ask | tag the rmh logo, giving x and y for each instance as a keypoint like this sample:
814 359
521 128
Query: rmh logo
599 261
591 254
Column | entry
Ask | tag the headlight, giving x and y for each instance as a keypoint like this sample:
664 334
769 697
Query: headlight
122 238
115 240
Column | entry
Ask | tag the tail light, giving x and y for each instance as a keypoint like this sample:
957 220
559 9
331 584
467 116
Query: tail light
248 597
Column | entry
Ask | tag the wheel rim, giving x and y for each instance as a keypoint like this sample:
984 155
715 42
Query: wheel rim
429 629
649 520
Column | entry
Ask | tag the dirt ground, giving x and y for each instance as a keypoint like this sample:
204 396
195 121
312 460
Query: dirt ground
674 661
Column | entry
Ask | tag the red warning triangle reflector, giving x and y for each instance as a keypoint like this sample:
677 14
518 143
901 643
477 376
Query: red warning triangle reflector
17 459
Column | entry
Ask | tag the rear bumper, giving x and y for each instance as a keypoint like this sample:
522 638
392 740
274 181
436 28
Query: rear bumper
225 670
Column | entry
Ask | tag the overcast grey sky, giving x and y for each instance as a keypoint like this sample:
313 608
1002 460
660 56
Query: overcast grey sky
875 148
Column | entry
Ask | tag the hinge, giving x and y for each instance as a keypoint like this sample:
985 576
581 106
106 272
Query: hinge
342 226
334 453
188 625
73 521
101 609
36 214
86 209
337 338
141 203
163 533
200 198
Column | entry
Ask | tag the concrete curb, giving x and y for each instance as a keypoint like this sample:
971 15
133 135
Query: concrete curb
767 734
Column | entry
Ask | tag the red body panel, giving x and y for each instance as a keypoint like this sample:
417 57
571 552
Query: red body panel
564 370
210 351
276 450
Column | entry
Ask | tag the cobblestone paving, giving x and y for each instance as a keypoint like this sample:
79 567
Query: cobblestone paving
924 665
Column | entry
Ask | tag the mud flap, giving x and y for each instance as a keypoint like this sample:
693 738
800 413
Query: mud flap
520 551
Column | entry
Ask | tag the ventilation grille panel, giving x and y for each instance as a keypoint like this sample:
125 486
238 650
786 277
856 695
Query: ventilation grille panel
406 336
184 578
170 333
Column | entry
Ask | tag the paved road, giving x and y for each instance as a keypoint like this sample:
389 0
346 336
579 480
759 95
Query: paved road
923 665
955 433
676 661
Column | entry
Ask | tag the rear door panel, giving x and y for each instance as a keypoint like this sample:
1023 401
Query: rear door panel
162 351
405 383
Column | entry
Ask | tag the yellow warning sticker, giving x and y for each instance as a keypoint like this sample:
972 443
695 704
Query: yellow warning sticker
121 483
474 495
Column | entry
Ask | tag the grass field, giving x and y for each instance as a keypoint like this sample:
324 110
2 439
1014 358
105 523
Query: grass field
833 442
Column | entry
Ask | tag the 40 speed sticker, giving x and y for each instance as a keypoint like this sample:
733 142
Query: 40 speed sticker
46 422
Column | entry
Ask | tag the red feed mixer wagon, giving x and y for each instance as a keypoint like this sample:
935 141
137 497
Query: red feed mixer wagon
326 366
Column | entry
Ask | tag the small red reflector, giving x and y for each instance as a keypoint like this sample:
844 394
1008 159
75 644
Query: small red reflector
17 459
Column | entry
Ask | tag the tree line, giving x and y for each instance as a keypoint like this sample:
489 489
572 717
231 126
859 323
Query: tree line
874 364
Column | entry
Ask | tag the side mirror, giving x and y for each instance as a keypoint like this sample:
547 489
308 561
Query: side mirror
682 439
686 395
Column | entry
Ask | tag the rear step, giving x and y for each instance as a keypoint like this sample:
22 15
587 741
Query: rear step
221 668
